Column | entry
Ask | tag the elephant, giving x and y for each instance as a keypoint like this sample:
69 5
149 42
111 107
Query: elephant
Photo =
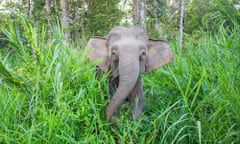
126 52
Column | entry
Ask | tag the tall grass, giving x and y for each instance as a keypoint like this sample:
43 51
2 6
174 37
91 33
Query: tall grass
49 93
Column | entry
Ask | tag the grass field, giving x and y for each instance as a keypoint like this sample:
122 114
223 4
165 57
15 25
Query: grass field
49 93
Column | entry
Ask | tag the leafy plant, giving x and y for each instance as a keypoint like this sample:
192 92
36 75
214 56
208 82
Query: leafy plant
194 99
208 15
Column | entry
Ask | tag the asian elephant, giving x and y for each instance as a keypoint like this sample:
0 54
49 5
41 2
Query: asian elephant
126 53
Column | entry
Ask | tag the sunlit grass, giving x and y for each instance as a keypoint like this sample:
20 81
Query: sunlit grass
50 94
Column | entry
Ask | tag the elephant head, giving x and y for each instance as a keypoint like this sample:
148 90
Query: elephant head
127 52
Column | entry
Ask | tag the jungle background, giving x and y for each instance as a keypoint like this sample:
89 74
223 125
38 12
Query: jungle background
49 92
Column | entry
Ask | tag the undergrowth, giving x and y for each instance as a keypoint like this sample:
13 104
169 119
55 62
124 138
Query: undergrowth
50 94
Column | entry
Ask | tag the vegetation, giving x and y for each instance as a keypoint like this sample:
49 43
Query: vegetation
50 94
209 18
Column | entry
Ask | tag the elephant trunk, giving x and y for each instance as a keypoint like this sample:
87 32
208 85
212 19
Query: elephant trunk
128 76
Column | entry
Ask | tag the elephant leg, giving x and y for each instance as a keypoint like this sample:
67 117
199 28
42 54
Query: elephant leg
137 99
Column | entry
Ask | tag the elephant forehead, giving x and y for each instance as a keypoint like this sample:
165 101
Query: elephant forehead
130 42
118 33
135 30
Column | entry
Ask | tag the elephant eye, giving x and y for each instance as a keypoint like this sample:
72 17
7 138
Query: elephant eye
114 50
143 52
143 55
114 54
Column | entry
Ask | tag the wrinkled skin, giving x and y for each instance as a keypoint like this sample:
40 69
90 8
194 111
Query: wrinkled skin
126 53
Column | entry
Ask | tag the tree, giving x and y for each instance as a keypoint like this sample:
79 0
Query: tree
65 20
76 12
155 15
101 16
181 14
48 10
139 13
28 8
47 6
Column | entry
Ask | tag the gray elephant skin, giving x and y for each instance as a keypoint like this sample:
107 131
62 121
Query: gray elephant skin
126 53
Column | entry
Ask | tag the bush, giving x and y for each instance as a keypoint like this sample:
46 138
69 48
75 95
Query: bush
49 93
208 15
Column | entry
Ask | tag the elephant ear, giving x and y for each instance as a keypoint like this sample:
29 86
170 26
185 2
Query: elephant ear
159 54
98 50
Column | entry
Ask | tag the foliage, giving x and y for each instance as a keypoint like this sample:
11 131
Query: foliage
38 11
208 15
205 77
52 103
49 93
102 16
157 13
